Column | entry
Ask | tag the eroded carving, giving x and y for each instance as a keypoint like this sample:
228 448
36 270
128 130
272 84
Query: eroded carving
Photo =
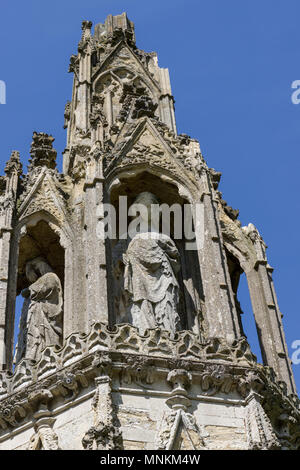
41 319
151 262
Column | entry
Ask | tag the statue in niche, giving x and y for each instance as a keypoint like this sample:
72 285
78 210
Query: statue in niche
145 267
41 317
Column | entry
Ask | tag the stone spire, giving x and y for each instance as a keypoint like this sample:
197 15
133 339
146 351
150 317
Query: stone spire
13 170
115 85
13 165
42 152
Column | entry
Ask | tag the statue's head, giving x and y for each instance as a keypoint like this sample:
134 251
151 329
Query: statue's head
146 199
36 268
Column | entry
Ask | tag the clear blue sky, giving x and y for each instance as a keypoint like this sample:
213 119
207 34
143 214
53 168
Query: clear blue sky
231 63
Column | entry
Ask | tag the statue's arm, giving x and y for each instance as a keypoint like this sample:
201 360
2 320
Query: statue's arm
39 289
173 255
44 287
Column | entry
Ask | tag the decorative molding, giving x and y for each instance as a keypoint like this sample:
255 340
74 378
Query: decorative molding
107 352
45 438
105 434
260 433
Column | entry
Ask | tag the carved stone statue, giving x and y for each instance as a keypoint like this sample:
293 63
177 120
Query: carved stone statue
150 291
41 318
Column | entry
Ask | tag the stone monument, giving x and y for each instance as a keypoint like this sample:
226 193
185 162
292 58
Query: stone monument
133 340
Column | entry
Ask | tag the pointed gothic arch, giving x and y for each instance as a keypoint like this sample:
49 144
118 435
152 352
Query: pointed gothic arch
172 194
39 234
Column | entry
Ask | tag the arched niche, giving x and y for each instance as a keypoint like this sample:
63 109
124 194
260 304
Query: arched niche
109 87
37 235
132 183
40 240
123 75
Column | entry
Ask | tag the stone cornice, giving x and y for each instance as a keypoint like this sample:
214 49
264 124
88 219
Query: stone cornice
133 359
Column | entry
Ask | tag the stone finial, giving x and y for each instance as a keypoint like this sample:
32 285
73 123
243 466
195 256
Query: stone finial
13 165
86 35
42 152
118 26
253 233
260 246
86 25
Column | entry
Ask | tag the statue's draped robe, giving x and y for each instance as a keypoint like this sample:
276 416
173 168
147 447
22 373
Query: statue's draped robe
151 261
42 315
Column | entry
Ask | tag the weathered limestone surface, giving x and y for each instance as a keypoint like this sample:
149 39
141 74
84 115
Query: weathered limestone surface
132 343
